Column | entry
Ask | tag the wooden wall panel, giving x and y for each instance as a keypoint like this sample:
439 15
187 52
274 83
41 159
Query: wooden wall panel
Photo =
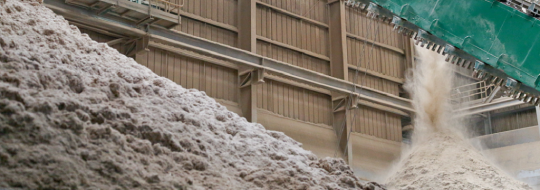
217 81
292 31
223 11
207 31
358 24
384 60
293 57
294 102
308 48
312 9
513 121
373 82
375 58
376 123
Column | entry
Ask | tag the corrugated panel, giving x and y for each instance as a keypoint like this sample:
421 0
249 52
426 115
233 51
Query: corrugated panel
513 121
380 60
224 11
375 58
294 102
374 82
358 24
217 81
293 57
285 29
313 9
99 37
376 123
207 31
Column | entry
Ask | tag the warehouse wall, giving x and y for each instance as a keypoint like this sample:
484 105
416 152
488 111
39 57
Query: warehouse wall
214 20
219 82
208 31
281 35
387 57
222 11
372 156
521 119
384 60
294 102
377 123
516 152
293 57
297 33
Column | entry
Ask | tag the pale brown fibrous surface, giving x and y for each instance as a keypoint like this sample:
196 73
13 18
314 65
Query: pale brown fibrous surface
440 156
76 114
446 161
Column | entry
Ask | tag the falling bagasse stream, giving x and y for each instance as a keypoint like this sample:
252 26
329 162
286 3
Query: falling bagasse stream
440 156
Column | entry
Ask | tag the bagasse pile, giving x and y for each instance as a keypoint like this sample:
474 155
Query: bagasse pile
446 161
440 157
77 114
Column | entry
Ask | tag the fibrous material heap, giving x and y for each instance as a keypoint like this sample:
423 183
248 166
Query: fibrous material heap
441 157
446 161
77 114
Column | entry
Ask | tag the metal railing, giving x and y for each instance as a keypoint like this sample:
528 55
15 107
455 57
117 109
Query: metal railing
170 6
471 92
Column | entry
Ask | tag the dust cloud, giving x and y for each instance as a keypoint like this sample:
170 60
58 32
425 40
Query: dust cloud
440 156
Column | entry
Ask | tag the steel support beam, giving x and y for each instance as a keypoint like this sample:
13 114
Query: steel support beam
247 40
339 68
499 103
116 41
213 49
247 25
489 99
342 126
338 37
248 93
538 116
105 9
488 128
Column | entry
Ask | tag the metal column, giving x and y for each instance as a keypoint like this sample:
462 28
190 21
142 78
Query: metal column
538 116
488 129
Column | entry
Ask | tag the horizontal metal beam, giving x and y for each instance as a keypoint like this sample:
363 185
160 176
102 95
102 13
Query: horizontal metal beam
499 103
193 55
116 41
235 55
514 111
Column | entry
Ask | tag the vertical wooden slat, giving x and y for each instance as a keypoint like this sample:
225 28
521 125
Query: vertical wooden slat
196 74
170 66
263 96
142 57
177 69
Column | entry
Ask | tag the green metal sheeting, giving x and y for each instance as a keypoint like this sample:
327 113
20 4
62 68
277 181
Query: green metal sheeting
494 33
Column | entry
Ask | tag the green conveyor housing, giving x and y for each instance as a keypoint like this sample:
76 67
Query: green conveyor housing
481 31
